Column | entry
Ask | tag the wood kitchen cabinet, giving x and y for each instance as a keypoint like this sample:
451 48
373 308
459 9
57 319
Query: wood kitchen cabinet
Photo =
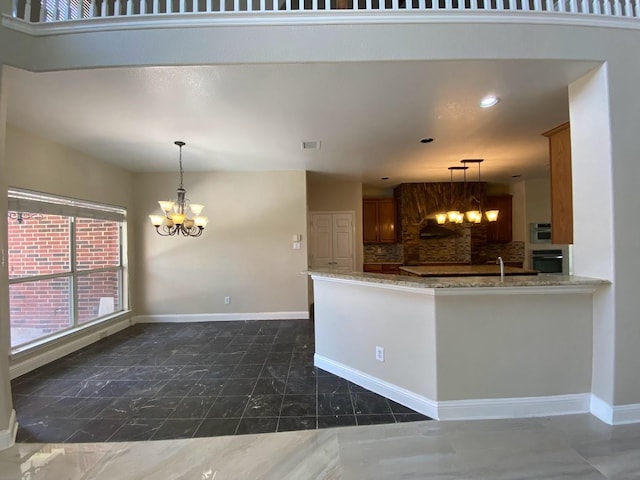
379 220
500 230
561 184
390 268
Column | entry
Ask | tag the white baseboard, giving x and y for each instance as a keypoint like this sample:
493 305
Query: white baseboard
220 317
8 435
27 361
514 407
405 397
614 414
518 407
624 414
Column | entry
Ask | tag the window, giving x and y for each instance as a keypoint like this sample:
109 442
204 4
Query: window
67 264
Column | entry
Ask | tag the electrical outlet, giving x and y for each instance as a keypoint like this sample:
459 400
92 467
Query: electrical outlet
227 300
380 354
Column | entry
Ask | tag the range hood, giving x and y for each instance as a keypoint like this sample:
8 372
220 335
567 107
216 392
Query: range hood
432 230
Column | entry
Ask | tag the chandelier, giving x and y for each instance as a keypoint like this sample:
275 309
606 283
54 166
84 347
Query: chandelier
181 217
472 216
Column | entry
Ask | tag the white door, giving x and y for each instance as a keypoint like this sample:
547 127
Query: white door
332 241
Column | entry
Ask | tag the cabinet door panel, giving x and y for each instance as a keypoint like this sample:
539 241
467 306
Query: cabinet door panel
501 230
387 221
561 187
369 221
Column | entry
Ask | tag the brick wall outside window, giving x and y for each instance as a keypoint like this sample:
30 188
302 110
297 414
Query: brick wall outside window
41 246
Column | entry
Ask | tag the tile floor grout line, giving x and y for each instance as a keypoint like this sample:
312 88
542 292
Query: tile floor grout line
286 383
120 356
250 395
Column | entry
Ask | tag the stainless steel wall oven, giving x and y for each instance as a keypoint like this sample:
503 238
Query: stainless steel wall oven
547 261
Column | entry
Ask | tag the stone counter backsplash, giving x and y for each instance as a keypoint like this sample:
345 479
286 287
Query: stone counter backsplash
383 253
456 249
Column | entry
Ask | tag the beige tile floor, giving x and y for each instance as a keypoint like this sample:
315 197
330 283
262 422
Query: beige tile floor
577 446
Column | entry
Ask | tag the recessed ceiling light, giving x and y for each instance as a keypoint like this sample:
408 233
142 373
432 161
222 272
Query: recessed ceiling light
489 101
311 145
426 140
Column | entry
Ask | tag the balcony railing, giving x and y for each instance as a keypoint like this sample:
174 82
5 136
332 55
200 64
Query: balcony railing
67 10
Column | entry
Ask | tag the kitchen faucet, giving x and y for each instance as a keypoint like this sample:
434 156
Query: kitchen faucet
501 263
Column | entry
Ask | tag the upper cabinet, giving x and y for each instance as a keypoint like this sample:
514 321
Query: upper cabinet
561 184
500 230
379 220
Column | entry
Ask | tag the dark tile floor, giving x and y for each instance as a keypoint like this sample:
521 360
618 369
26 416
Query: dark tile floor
152 382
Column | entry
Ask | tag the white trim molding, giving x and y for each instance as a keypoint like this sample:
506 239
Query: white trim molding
475 409
334 17
8 435
514 407
614 414
220 317
27 360
397 394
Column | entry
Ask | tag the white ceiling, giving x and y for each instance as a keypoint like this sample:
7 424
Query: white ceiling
369 117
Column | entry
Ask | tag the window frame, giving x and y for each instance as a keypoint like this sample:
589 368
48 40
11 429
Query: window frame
25 201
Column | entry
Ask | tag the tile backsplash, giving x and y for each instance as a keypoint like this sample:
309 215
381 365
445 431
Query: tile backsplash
469 246
383 253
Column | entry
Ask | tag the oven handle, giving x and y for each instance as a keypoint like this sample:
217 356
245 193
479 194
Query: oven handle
548 257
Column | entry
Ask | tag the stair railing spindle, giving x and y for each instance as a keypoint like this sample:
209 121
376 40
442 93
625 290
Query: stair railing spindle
27 10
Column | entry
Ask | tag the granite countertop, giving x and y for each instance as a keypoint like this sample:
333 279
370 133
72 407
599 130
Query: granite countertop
465 270
542 280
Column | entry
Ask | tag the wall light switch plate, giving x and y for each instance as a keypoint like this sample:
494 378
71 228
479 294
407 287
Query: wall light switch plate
297 245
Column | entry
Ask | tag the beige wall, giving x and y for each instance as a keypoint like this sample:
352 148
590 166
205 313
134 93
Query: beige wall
35 163
447 345
246 251
500 346
493 39
352 319
330 194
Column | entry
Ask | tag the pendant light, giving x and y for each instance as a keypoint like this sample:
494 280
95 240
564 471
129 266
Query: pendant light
453 215
475 216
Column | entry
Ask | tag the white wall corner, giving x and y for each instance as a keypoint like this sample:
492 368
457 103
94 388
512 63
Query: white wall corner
220 317
614 414
8 435
601 409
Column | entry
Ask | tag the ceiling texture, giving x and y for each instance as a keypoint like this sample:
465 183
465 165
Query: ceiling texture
368 117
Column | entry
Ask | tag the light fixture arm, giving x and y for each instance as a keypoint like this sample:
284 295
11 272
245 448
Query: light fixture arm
180 145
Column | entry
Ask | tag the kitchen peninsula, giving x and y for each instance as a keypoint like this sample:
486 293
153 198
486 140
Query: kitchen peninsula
460 347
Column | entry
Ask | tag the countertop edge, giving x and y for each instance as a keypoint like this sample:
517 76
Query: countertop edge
467 282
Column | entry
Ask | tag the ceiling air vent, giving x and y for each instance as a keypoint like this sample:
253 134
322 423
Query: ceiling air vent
311 145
